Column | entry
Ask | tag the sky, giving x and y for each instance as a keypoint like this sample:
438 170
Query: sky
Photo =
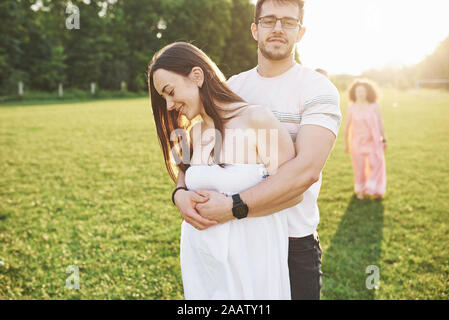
350 36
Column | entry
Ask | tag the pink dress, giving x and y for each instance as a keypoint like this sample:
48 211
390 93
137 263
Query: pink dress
367 154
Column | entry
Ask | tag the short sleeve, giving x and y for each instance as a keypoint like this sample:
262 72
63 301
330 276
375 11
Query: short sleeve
231 82
238 81
321 105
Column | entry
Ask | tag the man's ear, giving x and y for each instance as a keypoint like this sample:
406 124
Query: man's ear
301 34
197 76
254 31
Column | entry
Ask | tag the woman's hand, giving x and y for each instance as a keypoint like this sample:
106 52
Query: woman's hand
218 208
186 202
346 148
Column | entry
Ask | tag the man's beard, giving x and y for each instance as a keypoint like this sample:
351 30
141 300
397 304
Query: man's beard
280 55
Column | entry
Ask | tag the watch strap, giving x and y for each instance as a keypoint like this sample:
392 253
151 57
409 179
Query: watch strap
237 207
236 199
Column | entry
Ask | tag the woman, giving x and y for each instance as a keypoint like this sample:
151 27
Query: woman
240 259
365 134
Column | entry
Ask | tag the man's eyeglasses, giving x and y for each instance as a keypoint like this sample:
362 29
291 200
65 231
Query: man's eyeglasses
286 22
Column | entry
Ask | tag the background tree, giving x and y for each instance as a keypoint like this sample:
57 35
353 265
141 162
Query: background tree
240 53
13 34
204 23
117 39
87 47
436 65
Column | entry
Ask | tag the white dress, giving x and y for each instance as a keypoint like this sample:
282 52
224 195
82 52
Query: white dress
240 259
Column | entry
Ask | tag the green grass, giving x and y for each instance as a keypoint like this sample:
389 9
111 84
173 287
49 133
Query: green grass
70 96
84 184
405 235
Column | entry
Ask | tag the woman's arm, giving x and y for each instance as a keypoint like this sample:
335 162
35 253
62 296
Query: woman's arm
381 126
186 201
348 120
379 118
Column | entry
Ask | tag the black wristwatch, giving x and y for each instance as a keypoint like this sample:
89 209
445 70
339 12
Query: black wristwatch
239 208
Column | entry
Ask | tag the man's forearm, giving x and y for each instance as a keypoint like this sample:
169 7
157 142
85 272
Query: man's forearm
279 191
270 210
293 178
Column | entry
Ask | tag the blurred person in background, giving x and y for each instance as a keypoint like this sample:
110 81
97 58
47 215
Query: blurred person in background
365 139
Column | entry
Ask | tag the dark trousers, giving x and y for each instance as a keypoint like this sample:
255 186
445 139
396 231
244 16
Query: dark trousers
304 263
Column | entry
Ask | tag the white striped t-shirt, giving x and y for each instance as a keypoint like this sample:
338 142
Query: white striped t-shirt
297 97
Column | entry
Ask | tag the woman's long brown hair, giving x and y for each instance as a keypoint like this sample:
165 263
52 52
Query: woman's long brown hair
181 58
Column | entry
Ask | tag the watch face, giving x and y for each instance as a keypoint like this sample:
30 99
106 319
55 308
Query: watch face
241 211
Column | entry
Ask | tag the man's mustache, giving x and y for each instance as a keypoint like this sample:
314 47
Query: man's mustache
277 39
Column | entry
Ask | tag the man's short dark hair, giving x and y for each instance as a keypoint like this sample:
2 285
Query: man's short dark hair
299 3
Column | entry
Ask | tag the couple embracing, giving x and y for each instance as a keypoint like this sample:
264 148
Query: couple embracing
248 173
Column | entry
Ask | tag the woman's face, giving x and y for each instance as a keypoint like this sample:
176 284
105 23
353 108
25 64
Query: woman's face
181 93
360 93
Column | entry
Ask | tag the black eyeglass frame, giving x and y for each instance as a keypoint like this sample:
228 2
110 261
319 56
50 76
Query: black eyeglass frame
298 21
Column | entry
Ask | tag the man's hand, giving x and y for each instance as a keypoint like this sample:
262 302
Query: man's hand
218 208
186 201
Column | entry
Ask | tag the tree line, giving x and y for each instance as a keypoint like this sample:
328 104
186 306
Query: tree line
115 40
434 66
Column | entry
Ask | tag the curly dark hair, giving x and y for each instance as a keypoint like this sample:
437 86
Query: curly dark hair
372 91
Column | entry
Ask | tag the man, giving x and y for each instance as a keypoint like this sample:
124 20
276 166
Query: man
308 105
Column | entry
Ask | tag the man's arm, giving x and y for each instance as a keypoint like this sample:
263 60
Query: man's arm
281 190
313 146
320 121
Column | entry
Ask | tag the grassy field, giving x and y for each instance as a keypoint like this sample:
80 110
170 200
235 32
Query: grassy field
84 184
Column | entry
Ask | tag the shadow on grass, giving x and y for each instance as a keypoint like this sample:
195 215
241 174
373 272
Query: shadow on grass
355 246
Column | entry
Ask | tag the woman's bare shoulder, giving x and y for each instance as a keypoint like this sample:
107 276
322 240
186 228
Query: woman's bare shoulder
258 116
